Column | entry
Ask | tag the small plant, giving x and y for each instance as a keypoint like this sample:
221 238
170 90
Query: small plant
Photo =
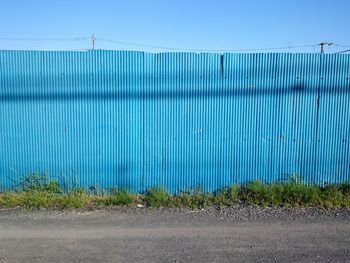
227 196
10 199
345 188
38 182
156 197
75 199
201 200
119 197
193 199
39 199
255 193
332 197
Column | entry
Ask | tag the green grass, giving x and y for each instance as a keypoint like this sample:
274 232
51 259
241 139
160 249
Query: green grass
37 191
156 197
119 197
295 194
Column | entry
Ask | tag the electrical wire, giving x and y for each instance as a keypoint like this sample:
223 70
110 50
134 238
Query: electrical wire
107 40
344 51
337 45
45 39
198 50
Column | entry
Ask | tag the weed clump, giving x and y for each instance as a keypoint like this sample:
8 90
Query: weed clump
156 197
295 194
75 199
38 182
193 200
227 196
119 197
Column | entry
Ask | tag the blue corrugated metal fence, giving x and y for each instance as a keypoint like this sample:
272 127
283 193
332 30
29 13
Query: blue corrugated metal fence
136 120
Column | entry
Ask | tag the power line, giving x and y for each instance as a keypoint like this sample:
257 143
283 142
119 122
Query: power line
341 45
44 39
344 51
93 41
199 50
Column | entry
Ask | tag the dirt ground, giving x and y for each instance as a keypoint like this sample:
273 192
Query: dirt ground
145 235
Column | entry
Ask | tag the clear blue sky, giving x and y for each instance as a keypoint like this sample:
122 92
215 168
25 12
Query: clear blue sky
189 24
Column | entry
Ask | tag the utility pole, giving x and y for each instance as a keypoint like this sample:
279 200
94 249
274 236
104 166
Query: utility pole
93 41
324 43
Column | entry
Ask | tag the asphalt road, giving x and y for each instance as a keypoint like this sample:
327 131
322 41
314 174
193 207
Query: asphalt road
173 236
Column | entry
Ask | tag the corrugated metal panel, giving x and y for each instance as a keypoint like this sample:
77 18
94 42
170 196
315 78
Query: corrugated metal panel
135 120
